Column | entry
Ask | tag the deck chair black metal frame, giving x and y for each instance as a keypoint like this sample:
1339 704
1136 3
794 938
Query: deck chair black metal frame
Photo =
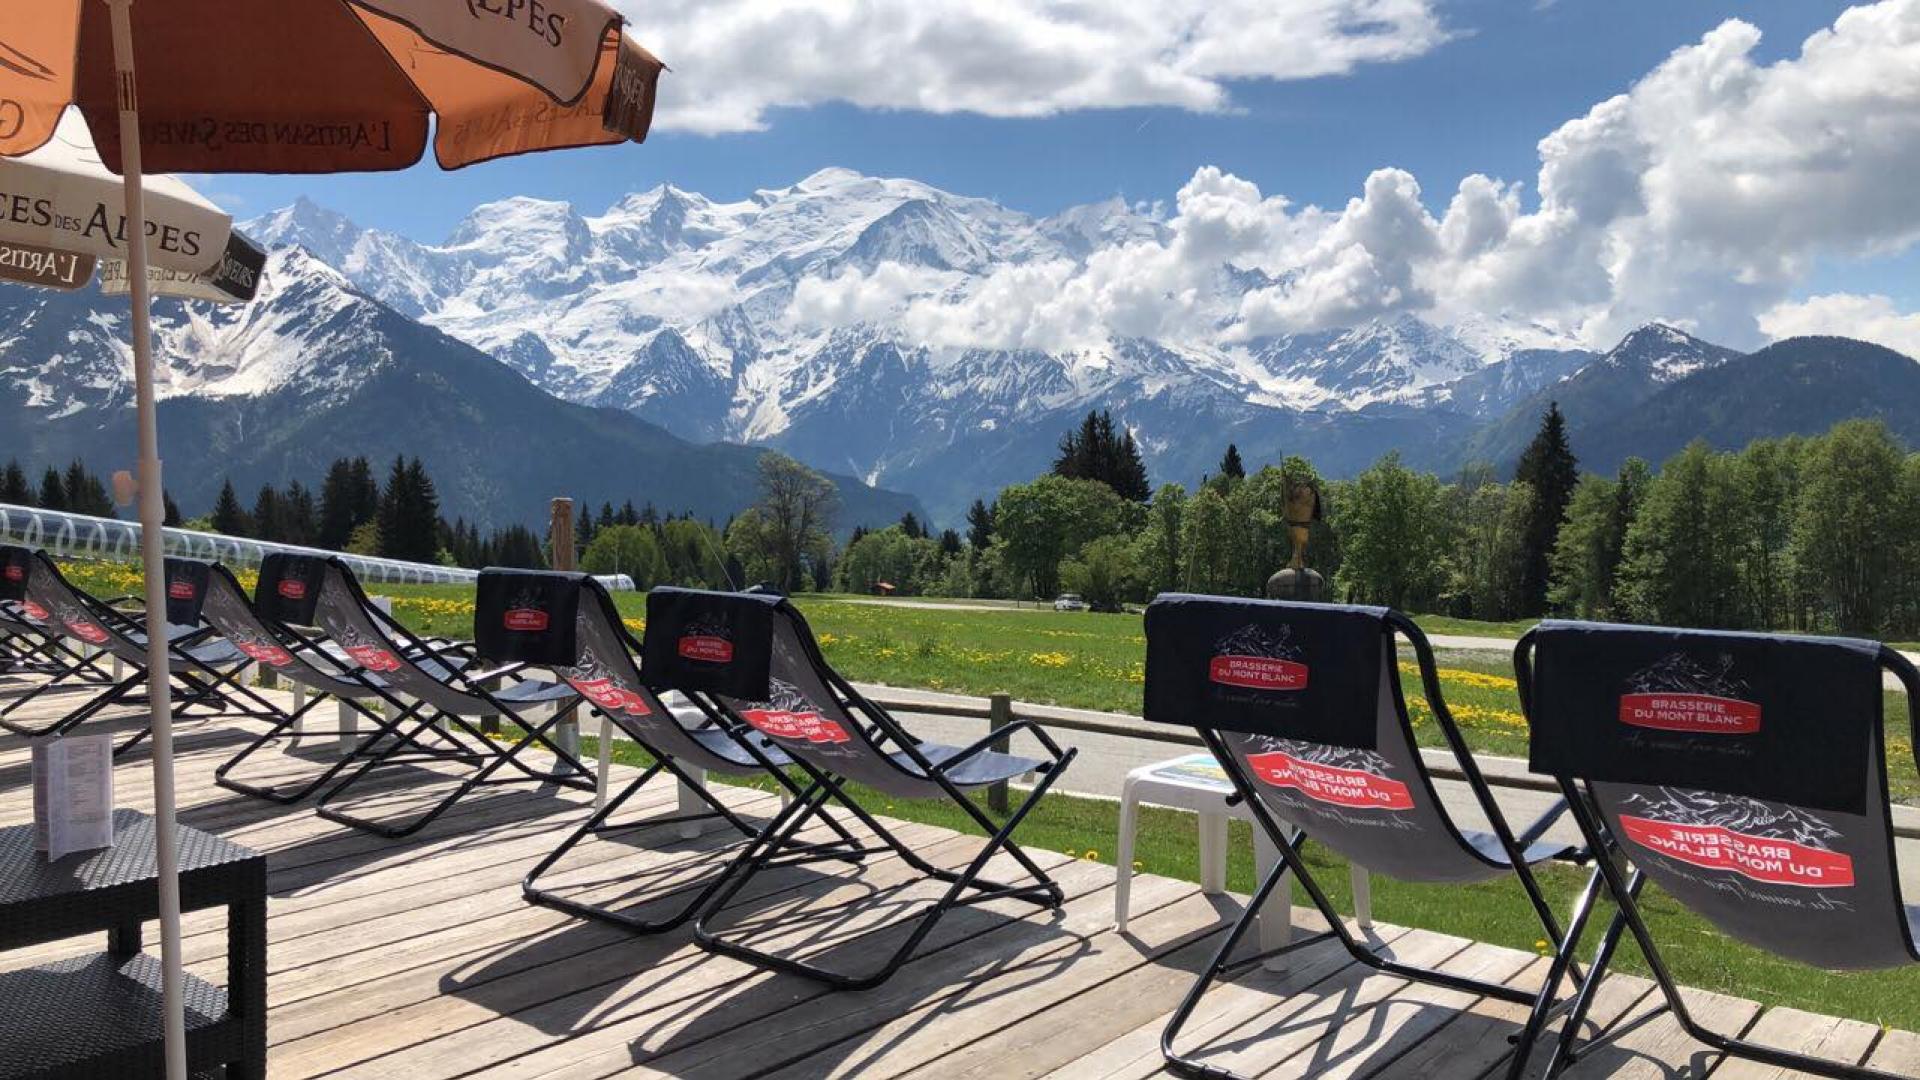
752 658
450 689
289 653
27 646
1307 698
203 670
1717 738
598 659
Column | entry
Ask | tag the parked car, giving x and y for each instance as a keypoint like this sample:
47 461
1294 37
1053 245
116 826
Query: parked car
1067 601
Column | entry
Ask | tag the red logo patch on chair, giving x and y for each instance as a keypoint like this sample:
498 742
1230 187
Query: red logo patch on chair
292 589
1258 672
1756 858
527 620
33 610
1331 784
603 693
707 648
1692 713
16 573
270 655
786 724
373 657
89 632
180 590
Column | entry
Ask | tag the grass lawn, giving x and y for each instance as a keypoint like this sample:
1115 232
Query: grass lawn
1494 912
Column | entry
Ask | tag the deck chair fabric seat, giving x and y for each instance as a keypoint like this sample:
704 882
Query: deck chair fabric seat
448 691
28 646
752 657
301 657
1303 706
598 661
1745 775
202 668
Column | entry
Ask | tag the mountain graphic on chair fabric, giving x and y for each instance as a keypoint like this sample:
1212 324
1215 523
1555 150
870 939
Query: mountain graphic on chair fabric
1738 813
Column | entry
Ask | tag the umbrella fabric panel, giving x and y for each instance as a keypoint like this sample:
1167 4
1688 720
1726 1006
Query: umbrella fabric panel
36 72
307 86
61 196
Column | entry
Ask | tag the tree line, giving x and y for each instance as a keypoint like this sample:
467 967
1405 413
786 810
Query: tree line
76 491
1810 533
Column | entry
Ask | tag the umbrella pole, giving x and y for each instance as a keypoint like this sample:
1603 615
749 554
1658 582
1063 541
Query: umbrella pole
152 546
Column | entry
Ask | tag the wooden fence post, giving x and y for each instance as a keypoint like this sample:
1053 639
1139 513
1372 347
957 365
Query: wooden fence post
999 716
560 539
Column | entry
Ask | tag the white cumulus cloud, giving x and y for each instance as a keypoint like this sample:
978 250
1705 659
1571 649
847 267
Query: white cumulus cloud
1871 318
734 60
1701 196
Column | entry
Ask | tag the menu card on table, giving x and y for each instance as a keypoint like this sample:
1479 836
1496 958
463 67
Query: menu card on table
72 794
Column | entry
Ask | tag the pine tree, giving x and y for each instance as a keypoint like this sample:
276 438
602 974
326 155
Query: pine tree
14 488
1095 452
338 500
169 510
409 514
607 518
1129 476
299 518
53 496
949 543
1230 466
267 517
363 491
628 515
1549 467
910 524
582 532
397 516
228 518
85 493
979 525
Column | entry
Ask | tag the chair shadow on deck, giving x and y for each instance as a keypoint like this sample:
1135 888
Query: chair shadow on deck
675 997
339 855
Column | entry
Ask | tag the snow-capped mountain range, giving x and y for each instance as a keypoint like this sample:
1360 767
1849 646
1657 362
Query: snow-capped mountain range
807 318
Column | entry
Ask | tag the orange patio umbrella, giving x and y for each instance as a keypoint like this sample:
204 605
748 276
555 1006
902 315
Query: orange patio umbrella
295 86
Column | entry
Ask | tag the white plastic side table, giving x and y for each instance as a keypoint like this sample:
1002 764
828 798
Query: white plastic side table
1196 782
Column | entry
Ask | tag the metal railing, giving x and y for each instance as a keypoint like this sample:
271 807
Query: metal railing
82 536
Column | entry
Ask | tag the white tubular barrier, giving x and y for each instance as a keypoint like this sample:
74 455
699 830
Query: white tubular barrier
84 537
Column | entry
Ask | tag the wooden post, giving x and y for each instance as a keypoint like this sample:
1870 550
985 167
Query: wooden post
999 716
560 534
560 539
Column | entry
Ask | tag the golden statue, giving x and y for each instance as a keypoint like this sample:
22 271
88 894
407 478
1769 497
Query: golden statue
1303 509
1296 582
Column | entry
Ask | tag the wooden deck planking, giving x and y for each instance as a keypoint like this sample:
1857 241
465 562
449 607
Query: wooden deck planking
418 959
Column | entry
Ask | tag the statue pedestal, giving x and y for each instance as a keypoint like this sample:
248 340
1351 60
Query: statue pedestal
1303 585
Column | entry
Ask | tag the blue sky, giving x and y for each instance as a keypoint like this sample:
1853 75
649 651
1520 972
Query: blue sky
1743 226
1477 103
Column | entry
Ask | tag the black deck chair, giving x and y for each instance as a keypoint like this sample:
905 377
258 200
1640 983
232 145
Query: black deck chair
527 611
1744 774
1302 705
27 645
257 629
203 669
451 692
753 658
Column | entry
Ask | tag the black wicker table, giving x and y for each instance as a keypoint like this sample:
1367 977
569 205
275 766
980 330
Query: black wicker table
100 1016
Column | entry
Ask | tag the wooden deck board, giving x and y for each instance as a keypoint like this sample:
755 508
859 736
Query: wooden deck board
418 959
